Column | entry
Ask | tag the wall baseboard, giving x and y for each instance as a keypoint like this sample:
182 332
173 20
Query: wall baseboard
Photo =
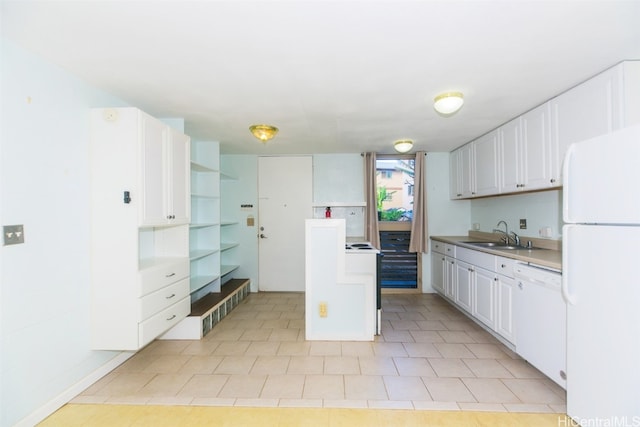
63 398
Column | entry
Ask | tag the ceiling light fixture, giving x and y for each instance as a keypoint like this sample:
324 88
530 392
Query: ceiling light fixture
448 102
263 132
403 145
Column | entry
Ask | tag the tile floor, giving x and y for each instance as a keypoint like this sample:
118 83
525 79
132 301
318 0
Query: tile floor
429 356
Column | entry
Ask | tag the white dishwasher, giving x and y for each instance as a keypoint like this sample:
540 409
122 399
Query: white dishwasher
541 320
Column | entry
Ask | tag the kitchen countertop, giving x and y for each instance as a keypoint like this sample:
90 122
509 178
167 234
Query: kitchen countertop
544 257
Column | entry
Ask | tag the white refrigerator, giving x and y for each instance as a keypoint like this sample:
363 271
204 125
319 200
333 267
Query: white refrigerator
601 278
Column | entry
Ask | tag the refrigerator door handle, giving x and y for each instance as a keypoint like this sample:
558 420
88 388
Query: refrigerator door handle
566 242
566 183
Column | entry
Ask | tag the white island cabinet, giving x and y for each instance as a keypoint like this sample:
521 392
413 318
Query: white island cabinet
139 228
340 288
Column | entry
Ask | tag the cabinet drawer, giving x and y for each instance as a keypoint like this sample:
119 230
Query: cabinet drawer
157 277
159 300
504 266
477 258
161 322
438 247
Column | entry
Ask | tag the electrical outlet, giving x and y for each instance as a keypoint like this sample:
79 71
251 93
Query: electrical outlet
13 234
323 309
523 224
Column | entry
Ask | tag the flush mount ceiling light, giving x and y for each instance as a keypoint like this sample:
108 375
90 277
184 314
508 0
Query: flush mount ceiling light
403 145
263 132
448 102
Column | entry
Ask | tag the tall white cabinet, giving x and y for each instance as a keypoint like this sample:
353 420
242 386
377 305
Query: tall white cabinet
140 215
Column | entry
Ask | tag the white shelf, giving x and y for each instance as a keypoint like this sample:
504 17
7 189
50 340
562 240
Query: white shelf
226 269
203 225
198 282
227 177
223 223
204 196
227 246
201 253
144 264
198 167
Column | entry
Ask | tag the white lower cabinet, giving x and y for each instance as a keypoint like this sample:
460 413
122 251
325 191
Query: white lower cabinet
484 298
478 283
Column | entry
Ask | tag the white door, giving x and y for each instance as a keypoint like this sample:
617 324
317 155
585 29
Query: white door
285 195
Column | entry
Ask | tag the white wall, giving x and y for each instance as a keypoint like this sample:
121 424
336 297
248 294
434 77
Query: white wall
543 209
44 289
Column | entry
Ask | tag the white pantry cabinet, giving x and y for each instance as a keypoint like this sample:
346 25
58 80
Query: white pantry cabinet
139 269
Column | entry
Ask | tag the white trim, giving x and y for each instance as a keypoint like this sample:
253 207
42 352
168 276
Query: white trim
65 397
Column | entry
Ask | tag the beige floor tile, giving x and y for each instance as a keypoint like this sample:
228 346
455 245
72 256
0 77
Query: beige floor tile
249 324
410 315
285 335
262 348
325 348
158 347
448 390
271 365
297 324
164 385
456 337
268 315
235 365
463 324
431 325
413 367
529 407
201 365
364 387
390 404
306 365
231 348
203 386
488 351
532 391
456 351
345 403
124 384
389 349
406 388
487 390
422 405
292 315
275 324
294 348
203 347
136 363
377 366
223 333
213 401
404 325
483 337
426 336
487 368
520 368
324 387
450 368
357 349
167 364
283 387
397 336
255 335
243 386
422 349
341 365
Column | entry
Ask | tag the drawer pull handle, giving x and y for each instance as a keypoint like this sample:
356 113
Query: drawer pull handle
171 318
170 275
170 296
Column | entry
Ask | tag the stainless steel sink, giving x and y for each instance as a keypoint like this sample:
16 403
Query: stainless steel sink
501 246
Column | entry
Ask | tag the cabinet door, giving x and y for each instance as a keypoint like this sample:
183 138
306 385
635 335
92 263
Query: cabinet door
178 177
467 174
486 166
510 157
455 182
586 111
536 149
465 274
450 278
152 134
484 307
438 264
504 322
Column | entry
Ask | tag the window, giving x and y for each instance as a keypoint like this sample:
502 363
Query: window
394 182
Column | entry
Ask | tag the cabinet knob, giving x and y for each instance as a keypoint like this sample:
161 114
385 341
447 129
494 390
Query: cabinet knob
503 265
553 180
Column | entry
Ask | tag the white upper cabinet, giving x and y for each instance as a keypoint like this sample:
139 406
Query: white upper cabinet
526 152
455 190
531 148
165 160
486 165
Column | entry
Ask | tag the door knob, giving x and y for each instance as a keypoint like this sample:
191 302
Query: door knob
262 236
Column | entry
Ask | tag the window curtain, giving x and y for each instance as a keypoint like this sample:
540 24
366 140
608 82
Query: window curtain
419 234
372 234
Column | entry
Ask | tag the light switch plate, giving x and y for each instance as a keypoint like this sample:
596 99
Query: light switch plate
523 224
13 234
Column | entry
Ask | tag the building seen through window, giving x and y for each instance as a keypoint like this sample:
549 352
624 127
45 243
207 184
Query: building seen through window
394 185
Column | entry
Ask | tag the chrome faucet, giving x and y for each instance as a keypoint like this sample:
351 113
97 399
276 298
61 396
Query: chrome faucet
516 238
505 232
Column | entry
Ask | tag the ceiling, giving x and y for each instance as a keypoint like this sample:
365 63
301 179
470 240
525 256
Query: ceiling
334 76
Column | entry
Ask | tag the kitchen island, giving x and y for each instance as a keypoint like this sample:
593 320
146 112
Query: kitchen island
340 285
